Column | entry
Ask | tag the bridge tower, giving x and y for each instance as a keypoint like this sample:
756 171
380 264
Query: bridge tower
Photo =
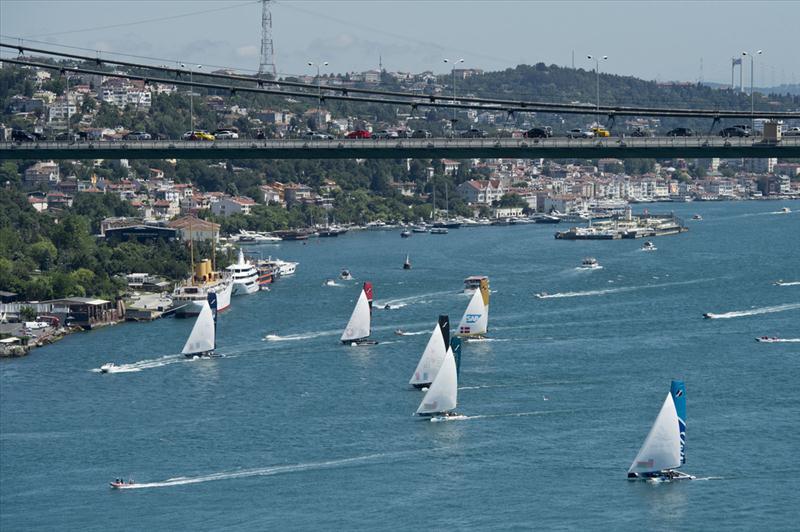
267 64
737 61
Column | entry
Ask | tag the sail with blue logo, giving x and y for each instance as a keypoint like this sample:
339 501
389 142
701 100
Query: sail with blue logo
677 390
475 321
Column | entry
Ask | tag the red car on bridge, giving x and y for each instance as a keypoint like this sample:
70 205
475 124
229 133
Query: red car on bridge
359 134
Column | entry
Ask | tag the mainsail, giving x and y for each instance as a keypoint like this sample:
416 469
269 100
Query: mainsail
678 391
359 325
434 354
662 447
442 396
475 321
203 335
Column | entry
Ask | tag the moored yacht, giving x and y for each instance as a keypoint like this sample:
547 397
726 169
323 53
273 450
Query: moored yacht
188 297
281 267
244 276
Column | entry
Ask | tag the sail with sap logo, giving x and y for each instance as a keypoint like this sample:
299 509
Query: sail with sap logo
475 321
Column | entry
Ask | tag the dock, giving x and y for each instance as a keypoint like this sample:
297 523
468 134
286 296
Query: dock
627 226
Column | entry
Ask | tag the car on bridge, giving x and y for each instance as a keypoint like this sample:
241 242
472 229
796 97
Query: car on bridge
19 135
316 135
473 133
138 135
384 134
681 132
734 131
421 134
538 133
359 134
600 131
226 133
641 132
579 133
794 132
198 135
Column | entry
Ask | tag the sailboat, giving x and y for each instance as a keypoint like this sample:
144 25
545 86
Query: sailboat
433 356
664 449
441 398
203 338
407 264
358 328
475 322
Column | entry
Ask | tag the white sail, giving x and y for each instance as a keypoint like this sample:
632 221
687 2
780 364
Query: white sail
202 337
442 396
431 359
359 324
662 447
476 318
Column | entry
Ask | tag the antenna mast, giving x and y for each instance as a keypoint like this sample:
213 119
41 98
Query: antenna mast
267 64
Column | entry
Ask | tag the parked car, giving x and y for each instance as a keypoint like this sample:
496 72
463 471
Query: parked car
794 132
138 135
680 132
734 131
198 135
473 133
538 133
579 133
19 135
600 131
359 134
226 133
421 134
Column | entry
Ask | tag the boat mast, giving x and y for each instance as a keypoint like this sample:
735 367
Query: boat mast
191 246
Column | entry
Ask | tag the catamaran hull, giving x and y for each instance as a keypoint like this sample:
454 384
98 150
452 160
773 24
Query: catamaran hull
663 476
356 343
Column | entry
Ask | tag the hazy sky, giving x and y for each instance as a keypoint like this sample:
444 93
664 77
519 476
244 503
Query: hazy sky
652 40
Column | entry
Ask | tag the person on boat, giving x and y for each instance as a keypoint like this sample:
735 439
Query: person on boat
387 306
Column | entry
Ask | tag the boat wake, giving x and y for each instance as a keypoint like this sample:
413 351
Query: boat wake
299 336
476 340
393 304
143 364
780 340
260 472
787 283
752 312
461 417
586 293
411 333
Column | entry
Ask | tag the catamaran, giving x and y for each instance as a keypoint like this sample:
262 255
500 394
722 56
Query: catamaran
664 449
203 339
358 328
433 356
475 322
441 398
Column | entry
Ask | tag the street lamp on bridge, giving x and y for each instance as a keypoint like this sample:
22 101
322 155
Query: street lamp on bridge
191 98
319 90
597 71
454 63
752 94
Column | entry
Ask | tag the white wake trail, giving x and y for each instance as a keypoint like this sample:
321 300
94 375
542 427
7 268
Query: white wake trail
753 312
299 336
787 283
585 293
143 364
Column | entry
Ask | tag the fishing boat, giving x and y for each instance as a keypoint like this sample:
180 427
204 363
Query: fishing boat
203 338
433 355
358 328
589 263
244 276
475 321
407 264
649 246
442 397
664 449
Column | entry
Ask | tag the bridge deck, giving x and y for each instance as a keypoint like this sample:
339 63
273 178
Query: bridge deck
551 148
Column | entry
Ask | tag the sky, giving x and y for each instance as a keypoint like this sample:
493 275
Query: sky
663 41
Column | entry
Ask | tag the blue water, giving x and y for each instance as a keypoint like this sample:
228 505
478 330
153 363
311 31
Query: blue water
301 433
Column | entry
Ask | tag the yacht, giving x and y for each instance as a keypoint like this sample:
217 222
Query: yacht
590 263
419 229
253 237
281 267
188 297
439 231
244 276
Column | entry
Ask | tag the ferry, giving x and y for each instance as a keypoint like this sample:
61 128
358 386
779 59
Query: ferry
188 297
244 276
473 283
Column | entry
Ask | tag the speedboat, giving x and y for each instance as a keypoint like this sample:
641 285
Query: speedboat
541 295
590 263
120 483
697 217
768 339
345 275
108 367
330 282
405 234
648 246
707 315
786 210
400 332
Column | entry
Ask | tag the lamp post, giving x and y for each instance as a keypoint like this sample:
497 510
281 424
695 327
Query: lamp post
752 94
597 71
454 63
191 99
319 90
66 75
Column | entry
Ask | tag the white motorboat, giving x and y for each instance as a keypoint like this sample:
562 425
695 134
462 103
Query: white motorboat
649 246
590 263
345 275
664 449
697 217
252 237
283 267
108 367
786 210
244 276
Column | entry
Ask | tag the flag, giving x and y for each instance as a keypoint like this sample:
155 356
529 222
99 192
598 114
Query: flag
737 61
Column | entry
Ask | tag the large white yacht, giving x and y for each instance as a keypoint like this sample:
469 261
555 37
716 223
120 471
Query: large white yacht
189 297
244 276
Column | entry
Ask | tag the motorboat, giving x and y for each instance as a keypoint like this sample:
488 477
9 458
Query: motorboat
648 246
546 219
590 263
419 229
120 483
439 231
345 275
282 267
405 234
786 210
108 367
697 217
253 237
768 339
541 295
330 282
